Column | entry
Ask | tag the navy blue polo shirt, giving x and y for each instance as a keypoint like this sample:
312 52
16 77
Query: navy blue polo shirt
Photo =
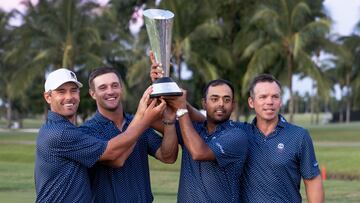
131 182
214 181
276 163
63 154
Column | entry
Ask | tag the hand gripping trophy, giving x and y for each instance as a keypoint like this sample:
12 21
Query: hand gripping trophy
159 28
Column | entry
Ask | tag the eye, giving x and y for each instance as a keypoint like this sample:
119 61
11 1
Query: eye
115 85
227 99
61 91
276 96
74 90
214 99
102 87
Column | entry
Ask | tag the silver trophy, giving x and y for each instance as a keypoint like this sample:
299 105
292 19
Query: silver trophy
159 28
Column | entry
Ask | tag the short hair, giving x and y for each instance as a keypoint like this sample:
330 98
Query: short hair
217 82
262 78
101 71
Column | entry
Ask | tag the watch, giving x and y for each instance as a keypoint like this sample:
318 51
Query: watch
181 112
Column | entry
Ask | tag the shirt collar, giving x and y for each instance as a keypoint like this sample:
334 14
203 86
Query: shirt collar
102 119
220 126
281 123
53 116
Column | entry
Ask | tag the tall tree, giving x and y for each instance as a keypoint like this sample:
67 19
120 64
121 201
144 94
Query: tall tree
56 34
347 72
283 32
7 95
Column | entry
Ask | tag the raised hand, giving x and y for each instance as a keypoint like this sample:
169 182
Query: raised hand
150 110
143 103
155 110
177 102
156 71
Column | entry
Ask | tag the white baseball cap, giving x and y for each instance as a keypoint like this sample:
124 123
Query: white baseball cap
58 77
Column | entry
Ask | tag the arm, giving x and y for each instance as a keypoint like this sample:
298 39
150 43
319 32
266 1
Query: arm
314 190
194 143
157 72
168 150
195 115
120 147
197 147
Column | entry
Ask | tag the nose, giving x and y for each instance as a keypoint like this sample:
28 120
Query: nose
109 90
269 101
221 102
68 95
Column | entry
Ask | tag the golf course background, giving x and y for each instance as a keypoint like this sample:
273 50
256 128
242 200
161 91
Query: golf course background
337 148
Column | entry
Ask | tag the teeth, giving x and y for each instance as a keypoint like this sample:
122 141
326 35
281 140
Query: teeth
110 99
69 105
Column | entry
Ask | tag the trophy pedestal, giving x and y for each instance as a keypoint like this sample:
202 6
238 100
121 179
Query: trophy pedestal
165 86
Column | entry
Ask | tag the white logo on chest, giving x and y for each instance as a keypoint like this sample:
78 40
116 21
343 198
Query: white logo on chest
280 146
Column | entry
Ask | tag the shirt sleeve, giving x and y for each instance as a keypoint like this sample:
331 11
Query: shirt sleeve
230 146
309 167
80 147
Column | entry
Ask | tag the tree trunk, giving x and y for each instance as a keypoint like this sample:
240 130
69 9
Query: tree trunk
317 110
342 103
236 113
178 58
291 101
348 98
312 105
178 64
9 113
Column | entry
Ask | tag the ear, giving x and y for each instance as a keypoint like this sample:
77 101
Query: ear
203 103
92 93
251 102
47 97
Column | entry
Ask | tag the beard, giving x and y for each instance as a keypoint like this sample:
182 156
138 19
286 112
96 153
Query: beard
219 119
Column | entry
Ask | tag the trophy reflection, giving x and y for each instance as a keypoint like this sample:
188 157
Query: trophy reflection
159 28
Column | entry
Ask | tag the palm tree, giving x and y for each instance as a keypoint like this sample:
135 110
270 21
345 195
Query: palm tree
283 34
4 39
347 72
188 37
55 34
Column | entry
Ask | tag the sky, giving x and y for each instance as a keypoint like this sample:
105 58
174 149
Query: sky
345 14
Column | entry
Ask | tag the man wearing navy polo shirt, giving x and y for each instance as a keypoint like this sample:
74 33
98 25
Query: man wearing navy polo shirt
213 151
280 154
131 181
63 152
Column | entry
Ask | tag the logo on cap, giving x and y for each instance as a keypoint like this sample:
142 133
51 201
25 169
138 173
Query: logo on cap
72 74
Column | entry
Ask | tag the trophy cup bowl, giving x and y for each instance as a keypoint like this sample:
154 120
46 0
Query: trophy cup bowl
159 24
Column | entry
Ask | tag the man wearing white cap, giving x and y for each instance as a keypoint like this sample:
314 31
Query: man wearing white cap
63 152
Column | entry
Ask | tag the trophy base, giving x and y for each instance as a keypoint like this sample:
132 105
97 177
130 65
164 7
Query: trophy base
165 86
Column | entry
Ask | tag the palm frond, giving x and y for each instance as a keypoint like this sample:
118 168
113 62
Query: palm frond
300 15
262 59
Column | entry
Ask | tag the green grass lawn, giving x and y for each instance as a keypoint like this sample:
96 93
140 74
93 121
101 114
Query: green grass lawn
337 147
27 123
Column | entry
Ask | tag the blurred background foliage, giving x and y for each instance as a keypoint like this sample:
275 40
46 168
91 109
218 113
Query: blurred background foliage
230 39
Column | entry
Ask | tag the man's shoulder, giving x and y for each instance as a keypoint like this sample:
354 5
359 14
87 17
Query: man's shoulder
237 127
52 132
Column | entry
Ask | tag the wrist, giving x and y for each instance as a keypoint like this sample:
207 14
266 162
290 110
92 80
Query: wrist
181 112
168 122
